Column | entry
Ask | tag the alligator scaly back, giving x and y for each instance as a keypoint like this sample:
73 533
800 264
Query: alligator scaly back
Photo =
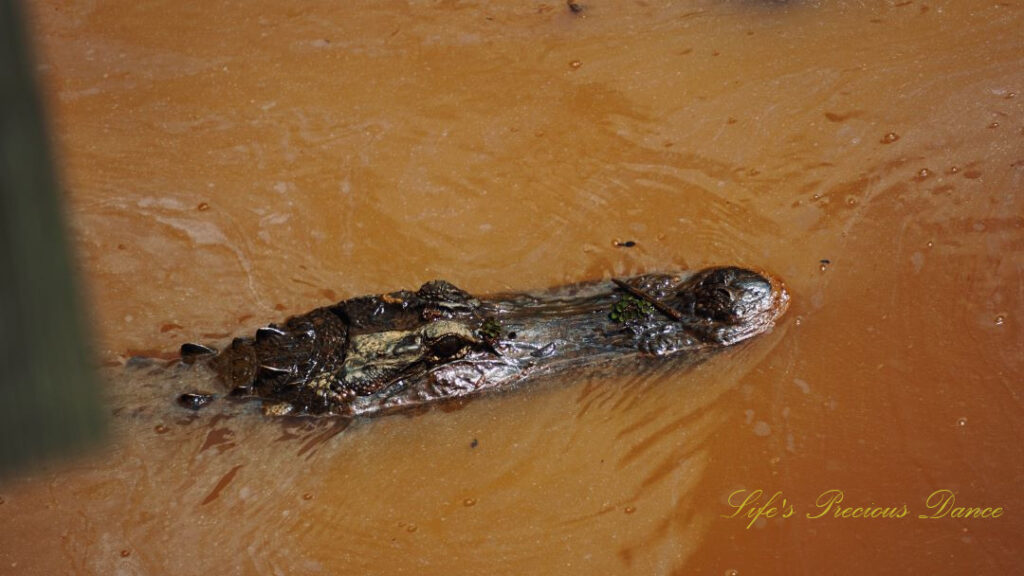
383 353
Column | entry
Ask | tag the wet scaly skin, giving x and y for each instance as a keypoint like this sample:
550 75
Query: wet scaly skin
384 353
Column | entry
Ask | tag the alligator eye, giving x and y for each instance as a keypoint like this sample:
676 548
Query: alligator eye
448 346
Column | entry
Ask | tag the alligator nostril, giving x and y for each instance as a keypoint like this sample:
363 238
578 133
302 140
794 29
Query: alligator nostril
718 296
723 296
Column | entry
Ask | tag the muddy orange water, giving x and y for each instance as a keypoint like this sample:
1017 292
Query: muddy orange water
230 165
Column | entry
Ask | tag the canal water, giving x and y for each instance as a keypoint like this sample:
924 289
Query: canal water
234 164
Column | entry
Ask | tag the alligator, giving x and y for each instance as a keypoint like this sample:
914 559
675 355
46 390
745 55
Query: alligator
385 353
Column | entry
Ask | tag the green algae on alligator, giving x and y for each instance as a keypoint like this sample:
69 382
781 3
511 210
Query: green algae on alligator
380 354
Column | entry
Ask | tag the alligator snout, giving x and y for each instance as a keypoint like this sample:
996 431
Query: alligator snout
730 295
729 304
